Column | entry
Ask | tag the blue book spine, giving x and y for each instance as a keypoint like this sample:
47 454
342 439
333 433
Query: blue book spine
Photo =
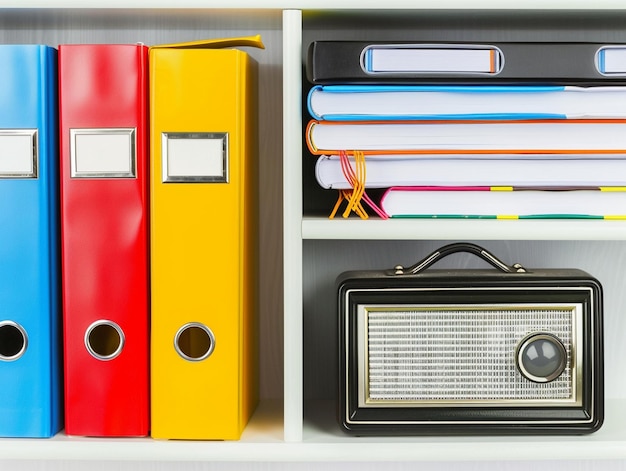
30 302
461 89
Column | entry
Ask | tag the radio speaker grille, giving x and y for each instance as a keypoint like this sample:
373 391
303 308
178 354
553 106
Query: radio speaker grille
460 354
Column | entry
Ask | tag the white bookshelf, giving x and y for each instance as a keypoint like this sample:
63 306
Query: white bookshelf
318 249
445 229
295 420
323 442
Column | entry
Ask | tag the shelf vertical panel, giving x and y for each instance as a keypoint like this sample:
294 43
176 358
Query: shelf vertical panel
292 222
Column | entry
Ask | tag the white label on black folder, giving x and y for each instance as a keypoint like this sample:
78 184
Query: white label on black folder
103 153
432 58
611 60
195 157
18 153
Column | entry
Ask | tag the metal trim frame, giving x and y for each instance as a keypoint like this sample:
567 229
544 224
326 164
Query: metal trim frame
89 347
165 157
575 360
527 341
130 132
22 331
496 50
597 61
34 143
200 326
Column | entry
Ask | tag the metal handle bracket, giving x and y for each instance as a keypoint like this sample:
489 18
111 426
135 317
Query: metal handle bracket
455 248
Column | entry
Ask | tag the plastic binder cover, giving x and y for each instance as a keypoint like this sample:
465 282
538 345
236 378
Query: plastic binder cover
30 323
436 62
203 213
104 167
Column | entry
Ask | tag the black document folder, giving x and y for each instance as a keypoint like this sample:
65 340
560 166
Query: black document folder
510 62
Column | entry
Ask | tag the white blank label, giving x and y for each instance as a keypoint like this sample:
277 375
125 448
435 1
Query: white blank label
405 59
103 152
17 153
195 157
612 60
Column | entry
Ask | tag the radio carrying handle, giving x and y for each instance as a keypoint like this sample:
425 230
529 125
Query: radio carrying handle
455 248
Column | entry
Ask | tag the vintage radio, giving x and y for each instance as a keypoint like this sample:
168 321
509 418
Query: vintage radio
436 351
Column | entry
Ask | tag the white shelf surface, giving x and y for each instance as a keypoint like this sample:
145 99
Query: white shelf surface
262 440
324 440
453 229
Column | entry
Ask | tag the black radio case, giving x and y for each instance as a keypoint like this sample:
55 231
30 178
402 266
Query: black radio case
481 351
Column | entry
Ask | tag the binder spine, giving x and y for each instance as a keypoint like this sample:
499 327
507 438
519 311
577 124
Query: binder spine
50 141
30 399
541 62
203 243
104 144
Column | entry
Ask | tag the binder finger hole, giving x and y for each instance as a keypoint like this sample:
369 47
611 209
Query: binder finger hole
194 342
13 341
104 340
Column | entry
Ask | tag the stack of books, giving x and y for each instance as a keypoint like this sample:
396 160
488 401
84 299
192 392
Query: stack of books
482 146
